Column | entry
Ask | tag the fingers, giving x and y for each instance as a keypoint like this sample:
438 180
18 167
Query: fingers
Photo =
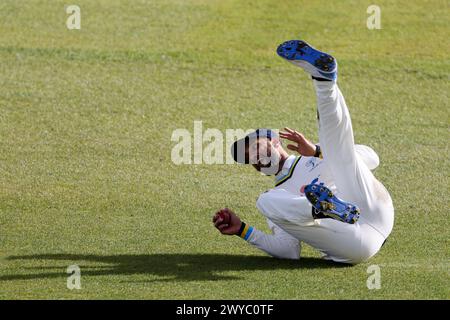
292 132
287 132
218 223
217 220
222 227
284 134
287 136
215 216
292 147
292 135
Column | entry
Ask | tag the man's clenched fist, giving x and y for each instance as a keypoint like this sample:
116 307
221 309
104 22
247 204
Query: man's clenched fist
227 222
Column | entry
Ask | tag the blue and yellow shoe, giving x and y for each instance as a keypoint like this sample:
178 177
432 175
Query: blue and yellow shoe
318 64
325 202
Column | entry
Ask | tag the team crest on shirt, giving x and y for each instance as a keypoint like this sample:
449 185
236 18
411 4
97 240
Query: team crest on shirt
311 164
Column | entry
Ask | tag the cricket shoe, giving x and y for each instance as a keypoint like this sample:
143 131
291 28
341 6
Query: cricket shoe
317 63
325 202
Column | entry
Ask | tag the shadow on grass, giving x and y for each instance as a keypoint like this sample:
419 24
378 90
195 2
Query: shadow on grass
169 267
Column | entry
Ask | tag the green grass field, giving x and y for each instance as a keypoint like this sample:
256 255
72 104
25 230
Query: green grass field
86 118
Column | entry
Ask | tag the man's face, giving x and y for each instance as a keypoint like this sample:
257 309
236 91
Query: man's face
264 156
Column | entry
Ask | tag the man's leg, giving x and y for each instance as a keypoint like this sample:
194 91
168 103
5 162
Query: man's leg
354 180
341 242
336 136
280 205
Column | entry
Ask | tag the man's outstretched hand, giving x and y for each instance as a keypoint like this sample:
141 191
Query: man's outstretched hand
227 222
303 146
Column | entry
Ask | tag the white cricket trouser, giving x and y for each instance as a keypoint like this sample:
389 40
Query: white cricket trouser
354 180
355 183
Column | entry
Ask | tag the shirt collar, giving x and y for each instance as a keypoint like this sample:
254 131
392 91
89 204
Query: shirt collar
286 167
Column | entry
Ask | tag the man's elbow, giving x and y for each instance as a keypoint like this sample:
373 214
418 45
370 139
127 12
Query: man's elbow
291 253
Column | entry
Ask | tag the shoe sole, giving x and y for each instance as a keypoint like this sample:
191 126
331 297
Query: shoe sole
325 201
298 51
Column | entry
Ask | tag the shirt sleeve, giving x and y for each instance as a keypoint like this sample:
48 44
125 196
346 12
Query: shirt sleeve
279 244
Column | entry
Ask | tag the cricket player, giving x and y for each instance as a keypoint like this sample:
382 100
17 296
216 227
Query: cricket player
327 196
